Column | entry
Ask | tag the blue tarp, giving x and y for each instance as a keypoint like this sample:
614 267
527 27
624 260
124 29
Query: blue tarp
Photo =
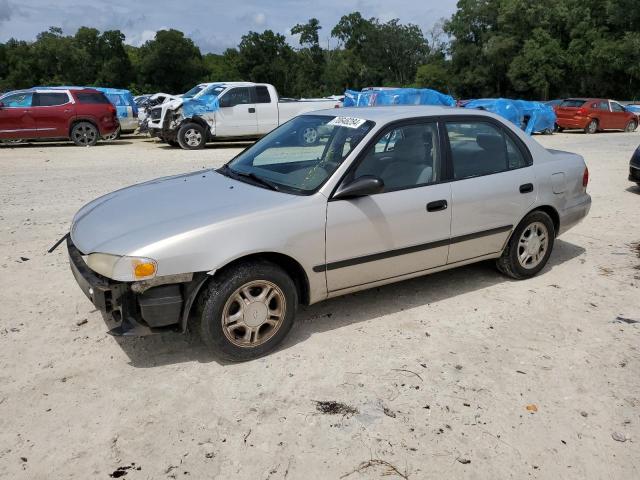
633 108
530 116
396 96
205 101
121 99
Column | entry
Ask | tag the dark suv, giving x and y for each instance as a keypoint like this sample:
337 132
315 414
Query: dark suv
82 115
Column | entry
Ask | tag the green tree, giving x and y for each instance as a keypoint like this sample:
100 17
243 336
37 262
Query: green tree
170 62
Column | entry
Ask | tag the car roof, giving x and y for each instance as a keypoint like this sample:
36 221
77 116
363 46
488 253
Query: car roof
400 112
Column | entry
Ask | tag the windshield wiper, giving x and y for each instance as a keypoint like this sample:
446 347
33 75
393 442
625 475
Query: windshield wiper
252 176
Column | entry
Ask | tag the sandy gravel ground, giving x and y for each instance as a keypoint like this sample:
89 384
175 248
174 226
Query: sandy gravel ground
437 372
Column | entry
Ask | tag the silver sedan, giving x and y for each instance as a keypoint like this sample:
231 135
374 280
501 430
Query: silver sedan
385 194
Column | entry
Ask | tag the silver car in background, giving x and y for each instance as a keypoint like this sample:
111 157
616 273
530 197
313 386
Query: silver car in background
389 193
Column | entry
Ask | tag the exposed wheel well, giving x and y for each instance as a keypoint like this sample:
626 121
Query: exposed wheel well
291 266
553 213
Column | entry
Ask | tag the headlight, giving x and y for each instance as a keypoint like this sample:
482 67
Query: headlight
124 269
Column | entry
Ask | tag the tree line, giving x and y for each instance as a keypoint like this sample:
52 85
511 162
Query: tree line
488 48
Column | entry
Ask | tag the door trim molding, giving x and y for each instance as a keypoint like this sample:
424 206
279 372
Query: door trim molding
350 262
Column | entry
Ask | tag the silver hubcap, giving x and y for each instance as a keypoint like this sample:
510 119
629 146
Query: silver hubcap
533 245
113 136
310 135
631 127
253 313
84 134
593 127
192 137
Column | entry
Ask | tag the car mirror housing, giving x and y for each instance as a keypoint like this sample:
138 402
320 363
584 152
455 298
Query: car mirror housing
360 187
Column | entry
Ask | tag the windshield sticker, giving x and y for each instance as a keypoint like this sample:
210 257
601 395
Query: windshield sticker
349 122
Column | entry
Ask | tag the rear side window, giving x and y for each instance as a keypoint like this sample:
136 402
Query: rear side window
92 98
572 103
262 95
480 148
22 99
50 99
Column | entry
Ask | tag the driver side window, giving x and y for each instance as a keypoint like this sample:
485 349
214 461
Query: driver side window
236 96
404 157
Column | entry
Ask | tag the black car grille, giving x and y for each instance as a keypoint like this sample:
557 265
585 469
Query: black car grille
156 113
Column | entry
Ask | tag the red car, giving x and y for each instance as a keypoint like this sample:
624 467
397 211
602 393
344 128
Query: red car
82 115
593 115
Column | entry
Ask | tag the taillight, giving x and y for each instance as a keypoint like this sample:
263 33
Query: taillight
585 177
581 111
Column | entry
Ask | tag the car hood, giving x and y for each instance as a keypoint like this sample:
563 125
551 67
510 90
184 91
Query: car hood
138 219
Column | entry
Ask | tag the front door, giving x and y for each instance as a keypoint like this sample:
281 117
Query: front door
53 113
16 120
237 114
494 186
404 229
619 116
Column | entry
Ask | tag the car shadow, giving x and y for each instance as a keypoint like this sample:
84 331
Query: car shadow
172 348
633 189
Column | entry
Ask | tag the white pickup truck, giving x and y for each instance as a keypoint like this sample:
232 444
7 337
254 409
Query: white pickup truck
230 111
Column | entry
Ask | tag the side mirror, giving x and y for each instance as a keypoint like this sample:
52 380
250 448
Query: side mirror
360 187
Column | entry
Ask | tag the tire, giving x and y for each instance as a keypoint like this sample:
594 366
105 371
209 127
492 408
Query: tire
631 126
592 127
514 262
308 136
235 293
173 143
191 136
84 134
559 129
114 136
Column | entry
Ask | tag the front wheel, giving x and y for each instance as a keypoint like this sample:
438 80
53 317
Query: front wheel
84 134
529 248
631 126
191 136
247 310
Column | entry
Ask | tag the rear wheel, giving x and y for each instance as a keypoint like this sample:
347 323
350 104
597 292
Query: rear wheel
592 127
114 136
529 248
84 134
631 126
246 311
191 136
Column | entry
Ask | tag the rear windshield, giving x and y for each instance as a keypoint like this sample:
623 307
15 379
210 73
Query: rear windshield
92 98
571 102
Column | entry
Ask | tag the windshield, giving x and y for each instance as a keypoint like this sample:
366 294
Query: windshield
302 154
214 90
194 91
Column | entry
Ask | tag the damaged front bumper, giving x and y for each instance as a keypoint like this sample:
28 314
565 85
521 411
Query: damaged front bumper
154 310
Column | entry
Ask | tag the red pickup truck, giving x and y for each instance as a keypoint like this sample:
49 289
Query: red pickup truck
83 115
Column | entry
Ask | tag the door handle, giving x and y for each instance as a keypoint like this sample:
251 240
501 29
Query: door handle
526 188
252 110
437 206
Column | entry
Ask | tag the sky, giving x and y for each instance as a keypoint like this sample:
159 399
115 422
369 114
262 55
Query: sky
212 25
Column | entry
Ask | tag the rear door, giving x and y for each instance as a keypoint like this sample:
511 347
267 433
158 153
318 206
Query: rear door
16 120
494 186
266 109
53 113
237 114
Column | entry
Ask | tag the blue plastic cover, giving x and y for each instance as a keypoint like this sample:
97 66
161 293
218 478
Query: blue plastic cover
530 116
396 96
205 101
633 108
121 99
541 117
